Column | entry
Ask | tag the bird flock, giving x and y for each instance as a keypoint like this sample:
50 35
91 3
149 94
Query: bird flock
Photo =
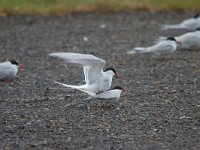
98 80
166 46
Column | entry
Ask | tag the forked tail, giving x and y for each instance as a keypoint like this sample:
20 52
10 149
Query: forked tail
138 50
69 86
82 88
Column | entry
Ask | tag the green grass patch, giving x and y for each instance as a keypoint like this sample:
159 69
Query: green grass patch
62 7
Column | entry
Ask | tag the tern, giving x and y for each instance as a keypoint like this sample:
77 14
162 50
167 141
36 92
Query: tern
165 47
189 41
9 69
97 80
109 95
189 24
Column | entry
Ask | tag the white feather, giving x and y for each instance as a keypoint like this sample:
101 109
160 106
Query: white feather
8 71
188 41
190 24
107 95
95 78
165 47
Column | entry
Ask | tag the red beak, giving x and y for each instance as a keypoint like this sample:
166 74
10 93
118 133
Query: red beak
125 90
178 43
117 76
21 66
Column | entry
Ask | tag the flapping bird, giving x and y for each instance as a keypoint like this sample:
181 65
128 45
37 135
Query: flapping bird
97 80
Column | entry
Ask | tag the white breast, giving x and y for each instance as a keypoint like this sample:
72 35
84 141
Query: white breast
8 71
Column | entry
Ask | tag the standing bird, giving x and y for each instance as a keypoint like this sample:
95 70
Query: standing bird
189 41
8 70
189 24
165 47
110 95
97 80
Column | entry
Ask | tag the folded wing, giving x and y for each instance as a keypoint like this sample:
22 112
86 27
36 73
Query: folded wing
163 46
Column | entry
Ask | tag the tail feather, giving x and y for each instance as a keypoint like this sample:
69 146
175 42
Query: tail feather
81 88
69 86
172 26
138 50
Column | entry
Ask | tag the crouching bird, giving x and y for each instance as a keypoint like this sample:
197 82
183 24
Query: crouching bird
8 70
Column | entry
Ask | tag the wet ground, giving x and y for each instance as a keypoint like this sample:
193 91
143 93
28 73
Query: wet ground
161 110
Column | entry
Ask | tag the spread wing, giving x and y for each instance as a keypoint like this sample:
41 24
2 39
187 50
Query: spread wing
92 66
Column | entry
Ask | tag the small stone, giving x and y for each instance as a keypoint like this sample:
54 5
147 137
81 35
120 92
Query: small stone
103 26
173 91
155 130
69 139
46 109
85 39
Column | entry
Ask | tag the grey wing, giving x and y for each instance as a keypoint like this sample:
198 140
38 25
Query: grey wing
4 66
5 70
93 71
106 95
74 57
189 37
92 66
85 70
192 23
189 41
163 47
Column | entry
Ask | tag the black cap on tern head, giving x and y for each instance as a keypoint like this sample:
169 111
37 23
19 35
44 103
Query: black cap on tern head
171 39
118 88
110 68
197 16
198 29
14 62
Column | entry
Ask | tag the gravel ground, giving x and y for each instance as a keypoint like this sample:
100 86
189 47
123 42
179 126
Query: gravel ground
161 110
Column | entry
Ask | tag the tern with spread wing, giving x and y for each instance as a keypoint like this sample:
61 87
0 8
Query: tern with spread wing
189 24
97 80
165 47
188 41
109 95
8 70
